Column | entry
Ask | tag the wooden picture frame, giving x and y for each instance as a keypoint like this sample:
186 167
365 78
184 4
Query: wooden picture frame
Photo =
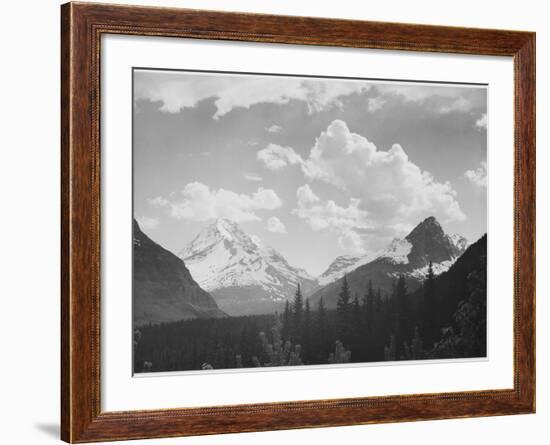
82 25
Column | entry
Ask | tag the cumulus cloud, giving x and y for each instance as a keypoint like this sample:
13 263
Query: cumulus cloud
176 91
252 178
343 221
375 103
158 201
386 188
273 129
275 225
389 185
419 92
320 94
481 123
147 223
275 157
460 104
201 203
323 214
452 99
478 176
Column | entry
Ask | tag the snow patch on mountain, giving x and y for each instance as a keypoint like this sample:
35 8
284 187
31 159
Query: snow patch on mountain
459 241
430 241
397 252
438 268
224 256
341 266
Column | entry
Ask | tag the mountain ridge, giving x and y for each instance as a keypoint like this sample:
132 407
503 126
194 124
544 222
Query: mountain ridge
344 264
409 256
163 288
244 276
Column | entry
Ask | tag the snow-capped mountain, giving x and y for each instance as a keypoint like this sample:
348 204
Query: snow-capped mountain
429 243
409 256
247 277
459 241
397 252
243 275
341 266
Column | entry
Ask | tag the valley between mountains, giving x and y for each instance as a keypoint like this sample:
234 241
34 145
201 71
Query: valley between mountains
225 271
228 301
246 277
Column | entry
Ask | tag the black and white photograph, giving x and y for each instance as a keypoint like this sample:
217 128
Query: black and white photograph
293 220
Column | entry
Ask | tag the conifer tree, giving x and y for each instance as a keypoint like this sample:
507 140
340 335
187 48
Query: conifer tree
320 334
343 302
357 337
307 332
298 305
321 314
287 321
297 312
378 300
381 327
402 314
390 353
430 310
368 322
343 311
356 307
369 308
393 291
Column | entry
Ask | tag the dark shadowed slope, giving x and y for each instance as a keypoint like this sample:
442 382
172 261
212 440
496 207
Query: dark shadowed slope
163 287
409 257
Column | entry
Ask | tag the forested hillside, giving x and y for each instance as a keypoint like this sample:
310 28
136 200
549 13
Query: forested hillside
444 318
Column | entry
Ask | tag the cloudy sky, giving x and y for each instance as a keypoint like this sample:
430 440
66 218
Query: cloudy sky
314 167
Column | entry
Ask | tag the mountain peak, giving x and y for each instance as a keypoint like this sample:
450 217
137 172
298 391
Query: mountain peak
225 223
427 229
224 259
429 242
429 222
411 256
225 227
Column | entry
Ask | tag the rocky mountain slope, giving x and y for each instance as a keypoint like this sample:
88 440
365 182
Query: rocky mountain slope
341 266
164 290
244 276
396 251
409 256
